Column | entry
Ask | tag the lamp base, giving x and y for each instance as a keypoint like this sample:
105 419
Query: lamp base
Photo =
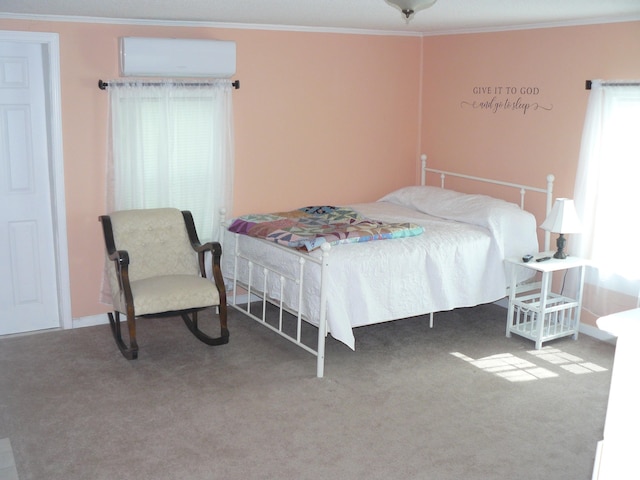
560 243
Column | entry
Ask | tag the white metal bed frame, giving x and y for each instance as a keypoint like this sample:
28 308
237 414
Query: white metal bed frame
243 302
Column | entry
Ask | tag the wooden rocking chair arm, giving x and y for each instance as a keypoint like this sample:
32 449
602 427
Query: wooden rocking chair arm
219 281
214 247
121 257
216 252
121 260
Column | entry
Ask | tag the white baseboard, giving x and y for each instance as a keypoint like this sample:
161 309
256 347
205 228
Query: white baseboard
241 299
503 302
102 319
90 321
595 332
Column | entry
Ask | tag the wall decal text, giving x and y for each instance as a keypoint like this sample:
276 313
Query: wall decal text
495 99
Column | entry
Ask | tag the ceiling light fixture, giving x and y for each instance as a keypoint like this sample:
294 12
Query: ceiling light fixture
410 7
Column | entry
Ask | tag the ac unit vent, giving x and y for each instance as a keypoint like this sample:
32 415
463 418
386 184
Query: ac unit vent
173 57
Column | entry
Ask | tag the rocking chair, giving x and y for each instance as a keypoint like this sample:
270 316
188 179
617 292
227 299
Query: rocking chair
157 268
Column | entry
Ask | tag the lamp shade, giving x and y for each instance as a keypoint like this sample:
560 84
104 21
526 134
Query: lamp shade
563 218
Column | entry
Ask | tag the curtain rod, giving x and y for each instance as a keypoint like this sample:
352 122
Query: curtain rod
103 85
630 83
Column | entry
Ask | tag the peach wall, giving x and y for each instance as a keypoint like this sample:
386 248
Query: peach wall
317 113
318 118
511 144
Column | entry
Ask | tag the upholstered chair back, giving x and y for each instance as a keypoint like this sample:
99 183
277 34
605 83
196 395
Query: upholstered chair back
157 243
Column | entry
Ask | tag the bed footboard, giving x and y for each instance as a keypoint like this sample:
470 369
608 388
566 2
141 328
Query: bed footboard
256 280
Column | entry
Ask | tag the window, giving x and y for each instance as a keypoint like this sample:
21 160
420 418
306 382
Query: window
607 192
172 146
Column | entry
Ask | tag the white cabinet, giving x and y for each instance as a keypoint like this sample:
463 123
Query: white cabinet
617 453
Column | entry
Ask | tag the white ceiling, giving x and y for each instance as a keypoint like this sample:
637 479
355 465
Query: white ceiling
446 16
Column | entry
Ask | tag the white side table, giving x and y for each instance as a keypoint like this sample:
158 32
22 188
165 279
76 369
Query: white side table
537 313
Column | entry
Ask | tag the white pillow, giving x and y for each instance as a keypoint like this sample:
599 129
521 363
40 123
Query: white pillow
421 198
513 229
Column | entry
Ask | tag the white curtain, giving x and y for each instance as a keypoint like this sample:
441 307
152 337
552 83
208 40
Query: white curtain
607 193
171 145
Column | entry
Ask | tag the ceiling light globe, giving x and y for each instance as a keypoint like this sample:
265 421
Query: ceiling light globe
410 7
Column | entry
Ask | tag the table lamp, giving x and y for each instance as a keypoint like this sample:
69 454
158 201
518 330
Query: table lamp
562 219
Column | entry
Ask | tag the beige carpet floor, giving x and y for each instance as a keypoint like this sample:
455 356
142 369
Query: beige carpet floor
459 401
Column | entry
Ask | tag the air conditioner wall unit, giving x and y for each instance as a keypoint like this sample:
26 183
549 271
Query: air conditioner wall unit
177 57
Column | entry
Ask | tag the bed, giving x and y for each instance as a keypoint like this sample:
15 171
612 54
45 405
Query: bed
455 260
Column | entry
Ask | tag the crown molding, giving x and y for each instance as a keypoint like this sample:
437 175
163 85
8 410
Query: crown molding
200 24
535 26
293 28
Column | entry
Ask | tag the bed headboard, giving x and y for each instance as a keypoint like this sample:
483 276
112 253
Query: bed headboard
548 191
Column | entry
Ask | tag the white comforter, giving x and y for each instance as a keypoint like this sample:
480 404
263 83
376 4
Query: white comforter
457 262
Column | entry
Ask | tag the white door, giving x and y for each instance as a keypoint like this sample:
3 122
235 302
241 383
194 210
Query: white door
28 278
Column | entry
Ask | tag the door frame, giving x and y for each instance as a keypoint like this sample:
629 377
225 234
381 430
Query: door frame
51 58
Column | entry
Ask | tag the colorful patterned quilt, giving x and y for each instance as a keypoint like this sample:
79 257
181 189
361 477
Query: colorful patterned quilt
309 227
